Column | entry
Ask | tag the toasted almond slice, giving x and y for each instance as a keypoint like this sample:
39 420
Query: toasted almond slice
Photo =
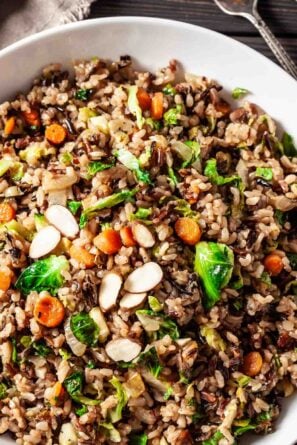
63 220
99 319
144 278
143 235
44 242
109 290
122 350
130 301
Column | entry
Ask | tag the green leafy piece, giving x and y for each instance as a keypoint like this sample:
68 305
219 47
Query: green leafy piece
280 217
155 304
184 208
105 203
155 125
132 163
168 327
134 107
169 90
158 323
238 92
84 328
81 410
40 221
74 386
150 360
5 165
265 278
66 158
3 391
34 152
41 348
16 227
138 439
74 206
85 113
265 173
243 380
196 150
215 178
289 145
111 432
17 171
237 279
65 354
213 338
172 176
214 440
240 430
42 275
96 166
168 393
26 341
14 354
116 413
91 365
264 416
171 116
83 94
142 213
293 260
214 264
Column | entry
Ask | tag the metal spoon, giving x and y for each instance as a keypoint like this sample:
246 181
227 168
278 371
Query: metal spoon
248 9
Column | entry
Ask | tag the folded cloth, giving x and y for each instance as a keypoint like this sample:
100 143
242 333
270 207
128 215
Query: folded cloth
20 18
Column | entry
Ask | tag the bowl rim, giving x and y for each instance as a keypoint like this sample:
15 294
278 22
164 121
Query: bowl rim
60 29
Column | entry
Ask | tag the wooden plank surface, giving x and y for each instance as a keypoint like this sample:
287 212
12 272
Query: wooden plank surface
281 16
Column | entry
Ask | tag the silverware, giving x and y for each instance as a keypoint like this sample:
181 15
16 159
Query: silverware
248 9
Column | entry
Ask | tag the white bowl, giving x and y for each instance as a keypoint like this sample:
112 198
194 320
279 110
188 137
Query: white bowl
153 42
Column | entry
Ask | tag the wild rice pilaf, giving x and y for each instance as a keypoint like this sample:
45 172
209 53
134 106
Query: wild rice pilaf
148 263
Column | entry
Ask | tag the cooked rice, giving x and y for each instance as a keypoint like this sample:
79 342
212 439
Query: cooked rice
201 393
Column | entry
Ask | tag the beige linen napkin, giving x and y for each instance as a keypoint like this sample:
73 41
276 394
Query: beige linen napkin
20 18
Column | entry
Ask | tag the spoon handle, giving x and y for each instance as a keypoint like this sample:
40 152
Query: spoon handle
275 46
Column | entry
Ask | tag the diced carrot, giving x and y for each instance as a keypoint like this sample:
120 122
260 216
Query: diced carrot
252 363
49 311
9 125
5 278
108 241
81 255
57 393
7 212
157 106
127 237
144 99
32 118
188 230
56 134
273 264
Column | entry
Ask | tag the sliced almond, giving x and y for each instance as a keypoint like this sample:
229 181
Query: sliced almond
109 290
129 301
99 319
122 350
44 242
144 278
143 236
63 220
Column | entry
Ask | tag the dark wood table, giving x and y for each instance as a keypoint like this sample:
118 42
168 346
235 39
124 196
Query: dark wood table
280 15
